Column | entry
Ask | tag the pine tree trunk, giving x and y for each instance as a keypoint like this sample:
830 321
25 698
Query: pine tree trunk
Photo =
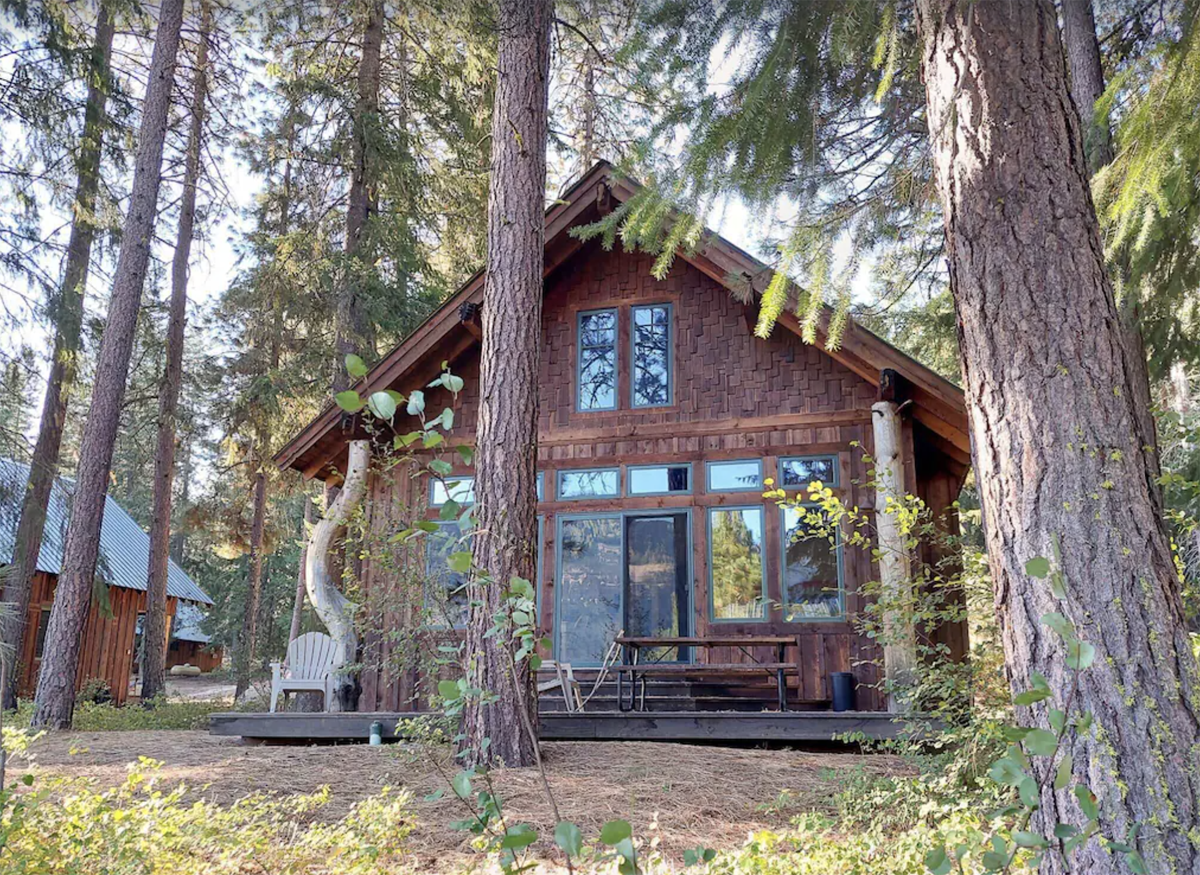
68 320
353 329
248 640
1087 78
506 438
1059 443
55 698
154 635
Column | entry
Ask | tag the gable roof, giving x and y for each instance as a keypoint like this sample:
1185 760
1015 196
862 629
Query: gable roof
124 546
937 403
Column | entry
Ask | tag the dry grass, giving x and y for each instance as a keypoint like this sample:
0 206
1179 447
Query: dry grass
696 795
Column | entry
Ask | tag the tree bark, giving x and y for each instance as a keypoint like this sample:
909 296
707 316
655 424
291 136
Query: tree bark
354 331
1059 447
506 438
54 702
68 322
248 640
154 636
1087 78
334 609
302 575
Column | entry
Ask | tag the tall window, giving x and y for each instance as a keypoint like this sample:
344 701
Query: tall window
737 573
651 356
445 589
812 574
598 360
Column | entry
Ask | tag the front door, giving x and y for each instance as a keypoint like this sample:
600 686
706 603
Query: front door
620 572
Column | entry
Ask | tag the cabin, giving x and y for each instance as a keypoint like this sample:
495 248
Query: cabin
108 652
662 417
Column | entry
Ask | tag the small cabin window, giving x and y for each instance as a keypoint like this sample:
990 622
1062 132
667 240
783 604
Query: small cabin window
651 330
445 589
659 480
589 483
39 645
740 476
812 567
736 571
797 473
598 360
461 489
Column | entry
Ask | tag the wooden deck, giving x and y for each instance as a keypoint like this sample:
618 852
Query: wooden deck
716 726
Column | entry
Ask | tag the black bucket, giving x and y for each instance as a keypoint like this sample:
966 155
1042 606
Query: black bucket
843 690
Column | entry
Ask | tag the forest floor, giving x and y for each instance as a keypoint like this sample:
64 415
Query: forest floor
687 795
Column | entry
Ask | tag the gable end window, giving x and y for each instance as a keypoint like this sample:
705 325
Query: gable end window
597 384
651 336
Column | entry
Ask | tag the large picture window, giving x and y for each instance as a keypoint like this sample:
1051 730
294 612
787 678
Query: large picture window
812 568
737 572
598 360
651 330
445 589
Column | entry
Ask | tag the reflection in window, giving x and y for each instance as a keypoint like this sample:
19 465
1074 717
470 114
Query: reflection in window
798 473
659 480
736 570
811 575
651 356
445 590
593 483
461 489
598 360
589 592
743 476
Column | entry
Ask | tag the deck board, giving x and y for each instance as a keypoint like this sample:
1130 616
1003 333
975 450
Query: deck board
597 725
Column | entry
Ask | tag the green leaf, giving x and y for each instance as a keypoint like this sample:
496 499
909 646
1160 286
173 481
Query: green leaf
615 831
938 861
433 439
461 784
452 382
1060 624
1062 775
1058 720
1080 655
348 401
466 453
1030 793
416 402
1087 801
446 419
1029 839
460 561
993 861
407 440
1007 771
568 837
1038 566
382 405
355 366
1030 696
1135 863
519 836
1065 830
1041 742
441 467
449 509
448 690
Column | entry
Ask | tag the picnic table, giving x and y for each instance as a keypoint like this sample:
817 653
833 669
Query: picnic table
638 668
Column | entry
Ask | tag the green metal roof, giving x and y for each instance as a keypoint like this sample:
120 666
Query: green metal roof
124 547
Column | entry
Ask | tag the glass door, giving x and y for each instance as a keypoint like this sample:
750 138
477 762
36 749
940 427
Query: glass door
657 602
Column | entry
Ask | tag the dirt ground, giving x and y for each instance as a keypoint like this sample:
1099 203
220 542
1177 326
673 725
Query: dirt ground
697 796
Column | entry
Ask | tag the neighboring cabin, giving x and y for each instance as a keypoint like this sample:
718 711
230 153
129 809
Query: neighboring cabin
661 417
108 648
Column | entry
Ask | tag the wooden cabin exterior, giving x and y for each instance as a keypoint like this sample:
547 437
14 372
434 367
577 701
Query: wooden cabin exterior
109 646
662 416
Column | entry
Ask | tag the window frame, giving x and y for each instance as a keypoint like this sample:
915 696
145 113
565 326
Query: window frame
766 598
616 349
832 457
712 463
633 359
629 493
558 491
838 555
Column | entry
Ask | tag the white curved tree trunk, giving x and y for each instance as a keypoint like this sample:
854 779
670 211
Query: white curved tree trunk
334 609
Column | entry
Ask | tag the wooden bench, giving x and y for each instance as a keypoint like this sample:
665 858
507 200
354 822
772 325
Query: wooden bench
638 671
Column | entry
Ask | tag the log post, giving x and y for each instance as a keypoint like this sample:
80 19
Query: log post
328 602
899 635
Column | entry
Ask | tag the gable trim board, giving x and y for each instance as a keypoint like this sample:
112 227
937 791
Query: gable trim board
938 404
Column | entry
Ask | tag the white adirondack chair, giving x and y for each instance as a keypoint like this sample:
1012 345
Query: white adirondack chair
308 667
